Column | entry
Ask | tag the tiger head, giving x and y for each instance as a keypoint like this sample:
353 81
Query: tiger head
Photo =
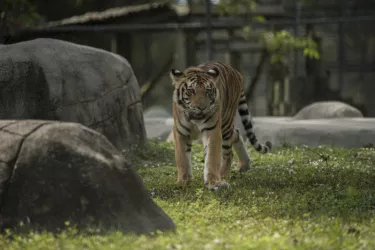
196 92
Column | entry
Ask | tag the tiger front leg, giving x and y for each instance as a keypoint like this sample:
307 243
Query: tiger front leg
227 158
182 149
212 142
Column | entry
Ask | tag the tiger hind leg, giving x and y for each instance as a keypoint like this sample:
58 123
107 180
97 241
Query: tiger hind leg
241 151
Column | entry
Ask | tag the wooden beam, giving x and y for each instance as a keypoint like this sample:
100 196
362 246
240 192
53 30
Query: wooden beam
164 27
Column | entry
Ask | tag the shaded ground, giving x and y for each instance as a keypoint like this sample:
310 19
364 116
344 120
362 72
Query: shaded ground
294 198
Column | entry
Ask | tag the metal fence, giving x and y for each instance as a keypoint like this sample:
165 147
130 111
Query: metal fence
332 29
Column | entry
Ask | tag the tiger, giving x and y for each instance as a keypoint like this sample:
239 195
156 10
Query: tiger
205 101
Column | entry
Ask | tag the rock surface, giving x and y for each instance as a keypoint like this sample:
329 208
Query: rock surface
156 111
328 109
52 172
49 79
339 132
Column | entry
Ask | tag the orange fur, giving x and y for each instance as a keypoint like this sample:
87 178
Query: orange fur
206 99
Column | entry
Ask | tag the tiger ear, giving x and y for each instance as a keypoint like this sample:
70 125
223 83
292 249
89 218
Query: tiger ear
175 74
213 72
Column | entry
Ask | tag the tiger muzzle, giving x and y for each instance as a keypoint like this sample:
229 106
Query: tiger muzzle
199 116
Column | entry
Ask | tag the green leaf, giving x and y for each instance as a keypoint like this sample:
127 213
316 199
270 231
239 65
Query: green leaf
259 19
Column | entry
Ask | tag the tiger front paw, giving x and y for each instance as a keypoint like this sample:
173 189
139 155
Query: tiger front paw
217 186
184 180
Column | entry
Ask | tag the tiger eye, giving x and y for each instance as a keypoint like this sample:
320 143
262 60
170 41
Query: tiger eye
191 91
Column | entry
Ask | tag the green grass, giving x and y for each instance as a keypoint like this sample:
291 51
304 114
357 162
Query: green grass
294 198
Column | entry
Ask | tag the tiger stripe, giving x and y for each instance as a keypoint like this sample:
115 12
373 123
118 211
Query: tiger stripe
207 97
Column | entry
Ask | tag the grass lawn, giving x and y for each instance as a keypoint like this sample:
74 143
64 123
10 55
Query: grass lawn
293 198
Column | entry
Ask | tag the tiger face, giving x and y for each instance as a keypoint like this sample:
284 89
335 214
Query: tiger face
195 92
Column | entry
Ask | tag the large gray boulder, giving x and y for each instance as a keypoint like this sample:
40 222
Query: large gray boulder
337 132
50 79
52 172
327 110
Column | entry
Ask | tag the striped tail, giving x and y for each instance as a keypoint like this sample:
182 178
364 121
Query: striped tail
243 110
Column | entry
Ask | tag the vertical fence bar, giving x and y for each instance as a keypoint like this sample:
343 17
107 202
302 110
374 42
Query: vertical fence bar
208 29
341 56
297 5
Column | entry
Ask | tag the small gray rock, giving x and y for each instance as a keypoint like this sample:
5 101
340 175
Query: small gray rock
327 110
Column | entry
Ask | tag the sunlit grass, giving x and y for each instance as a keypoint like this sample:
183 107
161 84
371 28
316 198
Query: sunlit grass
293 198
